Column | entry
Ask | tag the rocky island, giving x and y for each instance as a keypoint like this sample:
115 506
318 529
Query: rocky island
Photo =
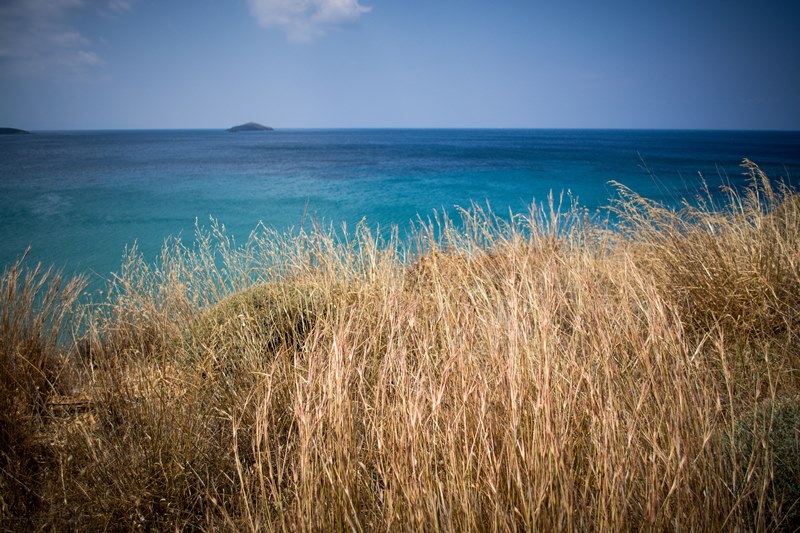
250 126
12 131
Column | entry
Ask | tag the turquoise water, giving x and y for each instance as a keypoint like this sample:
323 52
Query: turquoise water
78 198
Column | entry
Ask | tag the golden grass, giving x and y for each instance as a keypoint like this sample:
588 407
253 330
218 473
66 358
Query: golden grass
540 374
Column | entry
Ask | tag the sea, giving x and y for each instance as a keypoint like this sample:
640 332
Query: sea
77 199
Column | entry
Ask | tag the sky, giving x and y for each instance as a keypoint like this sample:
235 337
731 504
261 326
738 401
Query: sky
685 64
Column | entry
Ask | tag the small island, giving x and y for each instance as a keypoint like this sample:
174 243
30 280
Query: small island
250 126
13 131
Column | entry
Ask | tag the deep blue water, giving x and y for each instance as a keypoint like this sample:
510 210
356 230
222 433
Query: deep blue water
78 198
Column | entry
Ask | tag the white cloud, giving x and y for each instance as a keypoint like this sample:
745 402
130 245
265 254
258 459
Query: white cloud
120 6
68 39
303 20
88 58
37 35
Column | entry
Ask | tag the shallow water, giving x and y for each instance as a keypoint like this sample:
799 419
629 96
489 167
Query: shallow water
78 198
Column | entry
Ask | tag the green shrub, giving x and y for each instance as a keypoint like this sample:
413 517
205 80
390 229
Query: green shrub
766 458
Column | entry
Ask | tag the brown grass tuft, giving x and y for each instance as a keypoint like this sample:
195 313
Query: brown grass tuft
540 373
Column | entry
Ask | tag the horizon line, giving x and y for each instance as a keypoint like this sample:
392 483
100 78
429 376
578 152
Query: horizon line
419 128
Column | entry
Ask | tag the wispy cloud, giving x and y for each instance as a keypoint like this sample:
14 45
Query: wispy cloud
304 20
120 6
38 35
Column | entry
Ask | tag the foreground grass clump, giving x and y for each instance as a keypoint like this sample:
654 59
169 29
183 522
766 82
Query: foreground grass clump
539 374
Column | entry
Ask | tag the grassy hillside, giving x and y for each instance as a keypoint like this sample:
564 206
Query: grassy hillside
540 374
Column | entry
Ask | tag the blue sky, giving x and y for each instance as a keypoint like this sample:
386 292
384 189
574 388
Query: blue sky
96 64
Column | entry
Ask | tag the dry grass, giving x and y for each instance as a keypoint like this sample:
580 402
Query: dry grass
539 374
35 368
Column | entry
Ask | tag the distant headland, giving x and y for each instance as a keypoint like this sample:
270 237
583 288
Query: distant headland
13 131
250 126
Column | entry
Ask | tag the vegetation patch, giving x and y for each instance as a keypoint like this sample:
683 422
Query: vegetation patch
540 373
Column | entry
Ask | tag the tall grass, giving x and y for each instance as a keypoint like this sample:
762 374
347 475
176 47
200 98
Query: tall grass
539 373
37 321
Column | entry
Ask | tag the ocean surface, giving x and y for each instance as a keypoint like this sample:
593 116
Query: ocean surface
78 198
